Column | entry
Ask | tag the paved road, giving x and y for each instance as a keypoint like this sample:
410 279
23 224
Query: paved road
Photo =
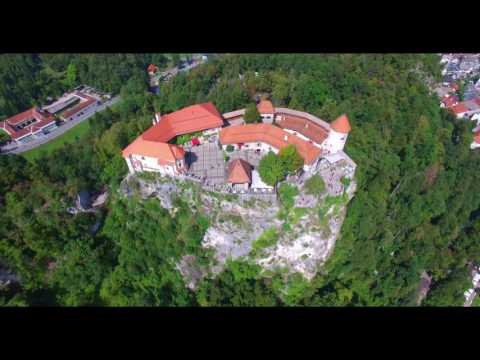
64 127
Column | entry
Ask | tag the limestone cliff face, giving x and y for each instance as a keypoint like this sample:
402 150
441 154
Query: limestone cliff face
261 229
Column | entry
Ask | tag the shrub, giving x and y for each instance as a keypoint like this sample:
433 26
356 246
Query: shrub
291 159
287 194
315 185
251 114
230 148
268 238
271 169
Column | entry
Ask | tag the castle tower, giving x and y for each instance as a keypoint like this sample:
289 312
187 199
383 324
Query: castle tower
337 136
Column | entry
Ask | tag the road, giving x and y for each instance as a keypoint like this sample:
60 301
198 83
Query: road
169 73
64 127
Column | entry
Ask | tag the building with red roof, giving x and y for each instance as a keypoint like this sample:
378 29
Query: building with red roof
476 140
145 155
151 151
188 120
449 101
86 105
311 136
266 110
152 68
266 137
24 126
239 173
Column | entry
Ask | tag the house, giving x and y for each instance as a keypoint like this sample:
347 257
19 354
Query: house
151 151
155 156
265 108
449 101
239 174
152 69
476 140
467 108
27 125
476 118
460 110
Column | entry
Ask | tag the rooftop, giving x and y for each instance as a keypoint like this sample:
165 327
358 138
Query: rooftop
341 124
239 172
166 153
271 135
187 120
41 120
265 107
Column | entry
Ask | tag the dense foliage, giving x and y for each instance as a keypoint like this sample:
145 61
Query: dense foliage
273 168
251 114
416 208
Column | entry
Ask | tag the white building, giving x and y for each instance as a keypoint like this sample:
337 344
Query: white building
476 140
337 136
266 110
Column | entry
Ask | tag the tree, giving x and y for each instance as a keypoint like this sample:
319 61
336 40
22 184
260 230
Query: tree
291 159
4 138
251 114
315 185
271 169
71 77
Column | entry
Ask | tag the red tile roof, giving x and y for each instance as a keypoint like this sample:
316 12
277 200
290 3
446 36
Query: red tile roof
449 101
187 120
476 137
265 107
239 172
42 121
79 107
341 124
305 127
151 68
269 134
165 153
459 108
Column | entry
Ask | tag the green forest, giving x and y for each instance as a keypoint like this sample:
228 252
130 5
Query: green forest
416 208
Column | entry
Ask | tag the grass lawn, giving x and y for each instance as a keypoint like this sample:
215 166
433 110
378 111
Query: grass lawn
69 137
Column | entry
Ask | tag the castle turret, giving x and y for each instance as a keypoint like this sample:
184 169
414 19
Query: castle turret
337 136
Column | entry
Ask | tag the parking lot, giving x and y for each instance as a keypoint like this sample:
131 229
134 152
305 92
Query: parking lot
206 162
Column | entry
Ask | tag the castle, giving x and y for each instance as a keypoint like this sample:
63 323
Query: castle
313 138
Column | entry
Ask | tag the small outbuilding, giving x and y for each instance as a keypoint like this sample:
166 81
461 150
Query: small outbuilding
239 174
